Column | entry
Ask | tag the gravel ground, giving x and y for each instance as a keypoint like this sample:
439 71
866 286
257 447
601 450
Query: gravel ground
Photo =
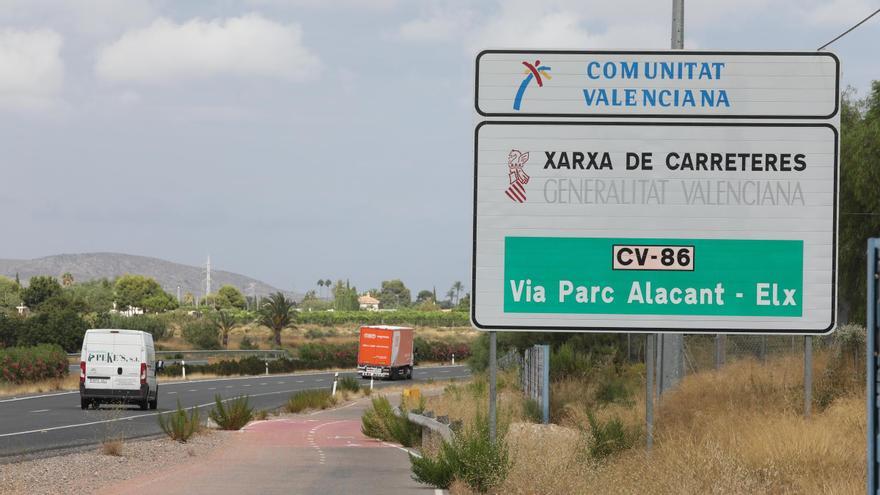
87 471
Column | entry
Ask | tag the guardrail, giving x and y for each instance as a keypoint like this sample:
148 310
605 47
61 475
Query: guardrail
436 426
269 355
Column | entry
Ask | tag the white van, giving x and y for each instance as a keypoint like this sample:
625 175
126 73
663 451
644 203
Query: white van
118 366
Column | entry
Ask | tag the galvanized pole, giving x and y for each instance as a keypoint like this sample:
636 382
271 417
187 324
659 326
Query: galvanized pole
545 384
808 375
670 348
493 342
649 392
871 362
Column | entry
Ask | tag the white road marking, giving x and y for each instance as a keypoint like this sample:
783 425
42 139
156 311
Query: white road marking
246 385
39 410
229 386
398 447
280 383
300 381
212 388
262 383
129 418
192 390
171 393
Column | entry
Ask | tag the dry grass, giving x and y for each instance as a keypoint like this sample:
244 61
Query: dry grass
70 382
740 430
112 447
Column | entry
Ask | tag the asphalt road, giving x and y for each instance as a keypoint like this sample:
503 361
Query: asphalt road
35 424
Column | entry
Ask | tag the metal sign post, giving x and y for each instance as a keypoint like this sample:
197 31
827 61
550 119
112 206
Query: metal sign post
873 371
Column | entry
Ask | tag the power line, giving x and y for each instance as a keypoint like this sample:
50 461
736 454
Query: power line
848 30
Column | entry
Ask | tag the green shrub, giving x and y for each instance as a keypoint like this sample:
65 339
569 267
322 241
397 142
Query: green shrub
234 416
614 389
30 364
246 344
470 458
606 439
63 327
178 425
436 472
401 317
349 383
379 421
202 334
532 410
309 399
374 421
153 324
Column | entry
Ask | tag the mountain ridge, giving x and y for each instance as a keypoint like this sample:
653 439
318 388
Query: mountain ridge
169 274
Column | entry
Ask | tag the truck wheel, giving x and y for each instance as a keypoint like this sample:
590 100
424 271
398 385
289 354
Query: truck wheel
409 373
391 373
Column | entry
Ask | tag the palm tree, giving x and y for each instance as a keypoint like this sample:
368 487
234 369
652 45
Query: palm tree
451 295
320 284
67 279
457 287
277 314
225 322
327 284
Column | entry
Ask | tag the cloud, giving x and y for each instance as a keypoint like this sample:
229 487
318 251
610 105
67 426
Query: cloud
245 46
838 12
438 27
31 70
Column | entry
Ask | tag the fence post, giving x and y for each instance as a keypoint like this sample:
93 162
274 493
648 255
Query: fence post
545 384
808 375
183 367
267 367
649 392
335 379
493 344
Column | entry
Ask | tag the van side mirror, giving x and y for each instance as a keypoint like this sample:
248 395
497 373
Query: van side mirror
160 365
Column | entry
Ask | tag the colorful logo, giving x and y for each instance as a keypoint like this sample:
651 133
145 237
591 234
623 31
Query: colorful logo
518 178
534 71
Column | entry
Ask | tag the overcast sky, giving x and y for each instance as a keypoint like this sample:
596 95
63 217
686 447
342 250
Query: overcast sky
302 139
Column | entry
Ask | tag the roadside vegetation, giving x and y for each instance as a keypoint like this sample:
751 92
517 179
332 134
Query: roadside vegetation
232 416
737 430
180 426
310 399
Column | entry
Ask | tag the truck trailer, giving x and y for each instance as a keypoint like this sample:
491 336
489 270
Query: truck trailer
385 352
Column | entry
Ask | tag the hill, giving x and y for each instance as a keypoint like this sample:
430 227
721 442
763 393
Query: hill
90 266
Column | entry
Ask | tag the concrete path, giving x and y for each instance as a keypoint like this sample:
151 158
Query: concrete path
323 453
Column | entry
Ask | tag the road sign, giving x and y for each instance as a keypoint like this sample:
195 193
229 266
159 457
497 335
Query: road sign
644 226
652 84
592 215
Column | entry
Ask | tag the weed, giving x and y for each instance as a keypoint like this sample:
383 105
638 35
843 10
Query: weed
233 416
470 458
379 421
349 383
112 447
608 438
180 426
532 410
309 399
261 415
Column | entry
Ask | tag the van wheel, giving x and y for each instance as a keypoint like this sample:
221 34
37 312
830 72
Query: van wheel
84 403
144 404
155 402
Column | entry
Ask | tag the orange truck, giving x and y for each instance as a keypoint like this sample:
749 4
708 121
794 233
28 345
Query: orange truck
386 352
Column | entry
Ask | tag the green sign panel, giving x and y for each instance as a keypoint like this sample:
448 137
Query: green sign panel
626 276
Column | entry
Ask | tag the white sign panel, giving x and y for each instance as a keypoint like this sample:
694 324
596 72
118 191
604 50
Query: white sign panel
647 226
669 84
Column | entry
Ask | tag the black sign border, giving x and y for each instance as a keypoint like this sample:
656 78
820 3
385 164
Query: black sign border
671 330
654 116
